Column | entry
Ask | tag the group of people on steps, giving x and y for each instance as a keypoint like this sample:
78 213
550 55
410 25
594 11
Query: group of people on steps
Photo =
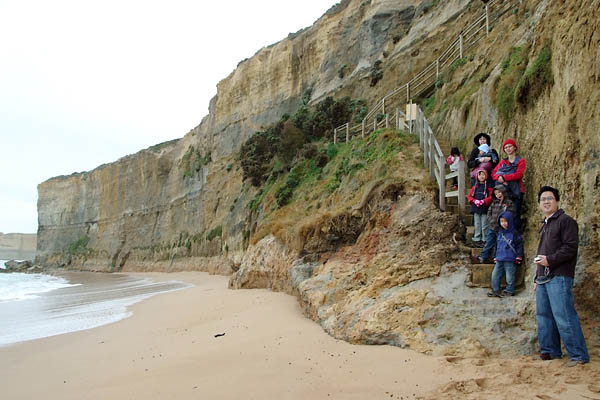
495 200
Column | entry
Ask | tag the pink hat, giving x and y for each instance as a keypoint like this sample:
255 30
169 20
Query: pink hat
509 141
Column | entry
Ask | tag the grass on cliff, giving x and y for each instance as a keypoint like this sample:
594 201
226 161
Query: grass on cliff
317 185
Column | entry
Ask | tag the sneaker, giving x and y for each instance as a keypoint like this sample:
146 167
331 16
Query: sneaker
474 245
574 363
481 245
494 294
545 357
480 259
507 293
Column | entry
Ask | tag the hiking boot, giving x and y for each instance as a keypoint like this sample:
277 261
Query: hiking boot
545 357
495 294
507 294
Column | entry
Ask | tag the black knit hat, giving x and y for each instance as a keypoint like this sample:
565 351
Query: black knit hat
485 135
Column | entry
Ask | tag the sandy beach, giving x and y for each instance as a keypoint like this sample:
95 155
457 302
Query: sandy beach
209 342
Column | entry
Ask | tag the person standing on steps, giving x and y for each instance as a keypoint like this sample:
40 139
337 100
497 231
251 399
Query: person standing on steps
556 258
477 156
480 198
509 172
500 204
453 161
509 254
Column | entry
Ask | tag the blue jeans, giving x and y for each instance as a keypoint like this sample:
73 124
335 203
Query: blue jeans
481 227
557 319
501 267
490 243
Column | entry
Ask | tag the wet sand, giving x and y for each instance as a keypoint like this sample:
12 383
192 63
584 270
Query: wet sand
266 349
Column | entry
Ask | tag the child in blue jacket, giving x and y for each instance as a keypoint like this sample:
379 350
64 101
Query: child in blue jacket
509 253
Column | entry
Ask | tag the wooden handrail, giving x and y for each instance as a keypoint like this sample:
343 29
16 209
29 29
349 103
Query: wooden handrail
433 157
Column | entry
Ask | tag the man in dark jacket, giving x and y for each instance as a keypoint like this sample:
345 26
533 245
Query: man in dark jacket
556 259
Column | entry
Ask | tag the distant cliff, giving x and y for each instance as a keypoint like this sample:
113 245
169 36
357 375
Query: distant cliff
17 246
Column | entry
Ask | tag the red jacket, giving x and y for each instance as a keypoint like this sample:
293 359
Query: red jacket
517 176
486 201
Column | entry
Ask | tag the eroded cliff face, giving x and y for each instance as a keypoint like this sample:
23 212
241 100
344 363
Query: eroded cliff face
400 280
17 246
185 200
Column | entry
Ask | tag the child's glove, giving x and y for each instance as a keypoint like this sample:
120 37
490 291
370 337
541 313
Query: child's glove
478 203
518 260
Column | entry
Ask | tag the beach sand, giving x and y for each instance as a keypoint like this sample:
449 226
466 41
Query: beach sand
269 350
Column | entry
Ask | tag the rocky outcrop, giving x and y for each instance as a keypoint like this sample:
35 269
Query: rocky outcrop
21 266
17 246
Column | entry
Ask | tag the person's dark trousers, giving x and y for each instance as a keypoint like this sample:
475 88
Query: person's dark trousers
517 201
490 243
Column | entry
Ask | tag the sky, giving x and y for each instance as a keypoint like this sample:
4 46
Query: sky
84 83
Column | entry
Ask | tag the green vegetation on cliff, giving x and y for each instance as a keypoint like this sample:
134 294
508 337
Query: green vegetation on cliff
272 151
324 178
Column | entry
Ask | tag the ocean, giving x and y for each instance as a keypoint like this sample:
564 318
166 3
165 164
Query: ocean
34 306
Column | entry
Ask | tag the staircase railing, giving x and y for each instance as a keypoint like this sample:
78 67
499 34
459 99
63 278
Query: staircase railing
414 119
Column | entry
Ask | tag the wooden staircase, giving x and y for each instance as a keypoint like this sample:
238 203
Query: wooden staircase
480 274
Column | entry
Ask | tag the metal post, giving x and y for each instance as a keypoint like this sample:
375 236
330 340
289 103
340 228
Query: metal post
335 136
437 68
375 123
408 92
362 134
398 118
460 43
487 21
347 132
387 121
383 105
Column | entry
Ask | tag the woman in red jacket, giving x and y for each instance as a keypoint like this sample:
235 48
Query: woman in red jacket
509 172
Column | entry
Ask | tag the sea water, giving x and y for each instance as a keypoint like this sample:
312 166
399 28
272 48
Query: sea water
34 306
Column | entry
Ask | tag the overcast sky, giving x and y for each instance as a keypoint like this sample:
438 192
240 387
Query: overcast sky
83 83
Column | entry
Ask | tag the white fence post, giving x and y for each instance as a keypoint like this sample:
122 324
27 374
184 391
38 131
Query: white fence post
487 21
461 187
442 181
460 44
347 132
335 136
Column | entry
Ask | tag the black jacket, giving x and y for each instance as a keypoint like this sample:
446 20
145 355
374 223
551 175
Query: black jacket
559 241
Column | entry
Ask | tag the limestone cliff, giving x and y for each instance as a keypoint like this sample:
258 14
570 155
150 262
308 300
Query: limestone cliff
17 246
161 203
373 261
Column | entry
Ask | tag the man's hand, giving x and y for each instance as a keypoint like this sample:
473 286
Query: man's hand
543 260
534 287
501 179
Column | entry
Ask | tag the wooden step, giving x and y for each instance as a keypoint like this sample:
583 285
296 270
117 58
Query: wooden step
480 275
